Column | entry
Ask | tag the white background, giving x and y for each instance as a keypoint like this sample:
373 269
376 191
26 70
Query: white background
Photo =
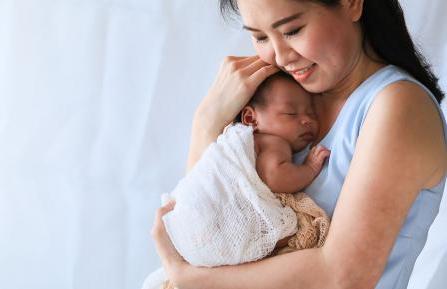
96 103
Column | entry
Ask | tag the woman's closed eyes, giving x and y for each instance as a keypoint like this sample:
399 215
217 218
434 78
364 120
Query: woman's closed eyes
291 33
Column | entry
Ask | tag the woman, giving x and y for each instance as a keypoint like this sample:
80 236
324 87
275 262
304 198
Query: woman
385 177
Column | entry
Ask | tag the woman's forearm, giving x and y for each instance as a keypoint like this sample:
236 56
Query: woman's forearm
301 269
203 133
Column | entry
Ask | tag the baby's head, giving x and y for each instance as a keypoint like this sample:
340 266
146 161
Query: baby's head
280 106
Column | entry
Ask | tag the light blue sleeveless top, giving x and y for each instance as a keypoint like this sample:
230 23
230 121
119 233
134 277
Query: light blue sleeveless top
341 140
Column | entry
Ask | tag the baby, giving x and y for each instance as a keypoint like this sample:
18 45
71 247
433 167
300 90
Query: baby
284 121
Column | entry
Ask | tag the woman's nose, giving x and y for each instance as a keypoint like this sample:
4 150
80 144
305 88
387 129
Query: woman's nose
284 54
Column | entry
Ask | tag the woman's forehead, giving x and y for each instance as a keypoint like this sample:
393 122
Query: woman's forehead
267 12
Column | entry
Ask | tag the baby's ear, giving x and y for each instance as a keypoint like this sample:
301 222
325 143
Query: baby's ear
248 116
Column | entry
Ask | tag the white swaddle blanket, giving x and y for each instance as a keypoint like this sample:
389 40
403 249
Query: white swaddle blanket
224 213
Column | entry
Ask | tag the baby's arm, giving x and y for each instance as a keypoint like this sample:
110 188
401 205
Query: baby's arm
275 167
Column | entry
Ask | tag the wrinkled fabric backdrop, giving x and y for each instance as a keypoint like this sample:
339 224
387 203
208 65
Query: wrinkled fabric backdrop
96 103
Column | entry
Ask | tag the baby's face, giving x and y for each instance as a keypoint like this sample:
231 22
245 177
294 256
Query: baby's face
288 113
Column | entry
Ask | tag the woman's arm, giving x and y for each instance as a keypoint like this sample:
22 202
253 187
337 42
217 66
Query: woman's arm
400 150
283 271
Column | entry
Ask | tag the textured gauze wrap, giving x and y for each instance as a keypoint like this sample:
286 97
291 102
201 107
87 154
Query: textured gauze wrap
224 213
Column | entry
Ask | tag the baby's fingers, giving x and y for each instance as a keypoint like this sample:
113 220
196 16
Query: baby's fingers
323 154
315 150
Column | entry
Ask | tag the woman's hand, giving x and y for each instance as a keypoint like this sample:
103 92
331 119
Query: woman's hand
235 84
172 261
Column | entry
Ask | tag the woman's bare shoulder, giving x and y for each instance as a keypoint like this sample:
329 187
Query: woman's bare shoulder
400 151
417 115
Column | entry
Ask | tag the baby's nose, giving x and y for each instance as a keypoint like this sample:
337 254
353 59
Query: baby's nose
307 121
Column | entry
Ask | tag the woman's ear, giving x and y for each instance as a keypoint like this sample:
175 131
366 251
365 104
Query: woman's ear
354 8
248 116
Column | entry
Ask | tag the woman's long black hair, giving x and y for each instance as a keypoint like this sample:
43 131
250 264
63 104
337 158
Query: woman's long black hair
384 29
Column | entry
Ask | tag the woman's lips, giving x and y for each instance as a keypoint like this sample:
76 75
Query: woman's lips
303 73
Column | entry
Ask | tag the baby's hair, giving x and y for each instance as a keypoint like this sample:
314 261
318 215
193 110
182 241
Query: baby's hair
259 97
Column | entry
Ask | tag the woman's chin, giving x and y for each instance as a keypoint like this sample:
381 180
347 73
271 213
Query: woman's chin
314 88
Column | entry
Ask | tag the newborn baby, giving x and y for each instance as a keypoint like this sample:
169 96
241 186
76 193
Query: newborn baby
237 205
284 121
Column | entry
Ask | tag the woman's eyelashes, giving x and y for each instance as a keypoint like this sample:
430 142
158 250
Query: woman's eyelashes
260 39
289 34
292 32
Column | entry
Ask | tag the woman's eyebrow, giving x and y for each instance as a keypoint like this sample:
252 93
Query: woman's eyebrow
286 20
251 29
277 23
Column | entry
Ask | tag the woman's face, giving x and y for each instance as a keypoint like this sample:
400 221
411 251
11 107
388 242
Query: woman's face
316 44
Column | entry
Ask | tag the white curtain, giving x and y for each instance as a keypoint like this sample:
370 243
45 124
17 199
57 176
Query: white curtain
96 103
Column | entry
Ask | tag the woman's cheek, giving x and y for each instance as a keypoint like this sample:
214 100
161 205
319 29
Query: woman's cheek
307 46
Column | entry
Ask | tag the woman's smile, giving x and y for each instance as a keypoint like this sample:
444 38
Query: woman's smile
302 74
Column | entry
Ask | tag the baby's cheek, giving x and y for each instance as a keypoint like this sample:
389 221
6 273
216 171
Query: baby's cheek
316 127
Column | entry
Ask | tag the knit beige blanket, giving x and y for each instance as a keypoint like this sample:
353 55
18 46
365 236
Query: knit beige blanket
313 226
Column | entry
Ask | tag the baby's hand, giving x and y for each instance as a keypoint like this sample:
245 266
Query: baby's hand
316 157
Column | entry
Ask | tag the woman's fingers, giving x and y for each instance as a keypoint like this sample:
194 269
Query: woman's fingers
233 87
236 63
261 74
169 256
253 66
246 61
239 58
166 250
159 228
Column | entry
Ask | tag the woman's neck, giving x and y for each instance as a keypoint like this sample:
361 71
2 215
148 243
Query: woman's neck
329 104
361 70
